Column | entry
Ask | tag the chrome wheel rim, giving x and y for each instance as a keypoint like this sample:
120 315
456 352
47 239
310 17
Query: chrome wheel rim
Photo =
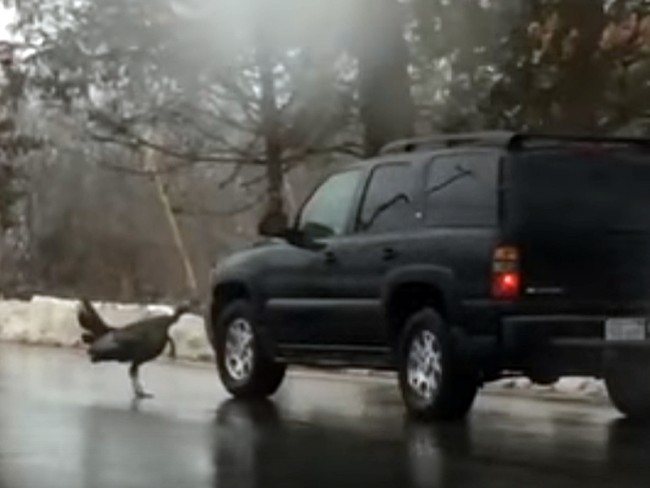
240 355
424 370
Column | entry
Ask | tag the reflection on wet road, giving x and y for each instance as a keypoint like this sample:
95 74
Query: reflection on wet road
66 424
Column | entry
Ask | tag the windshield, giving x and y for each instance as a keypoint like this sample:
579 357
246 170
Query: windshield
327 213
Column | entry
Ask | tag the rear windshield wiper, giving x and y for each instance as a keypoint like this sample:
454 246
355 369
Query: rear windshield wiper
462 174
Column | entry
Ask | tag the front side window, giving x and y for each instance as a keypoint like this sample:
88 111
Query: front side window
327 212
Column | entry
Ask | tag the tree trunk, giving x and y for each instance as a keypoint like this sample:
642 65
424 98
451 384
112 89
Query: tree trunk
582 88
271 119
151 164
386 104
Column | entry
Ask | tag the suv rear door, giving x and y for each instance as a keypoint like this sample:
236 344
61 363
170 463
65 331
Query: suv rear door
462 217
581 218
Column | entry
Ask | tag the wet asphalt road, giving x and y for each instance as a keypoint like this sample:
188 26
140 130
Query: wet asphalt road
66 424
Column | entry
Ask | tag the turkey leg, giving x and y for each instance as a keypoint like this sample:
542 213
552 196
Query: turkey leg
138 391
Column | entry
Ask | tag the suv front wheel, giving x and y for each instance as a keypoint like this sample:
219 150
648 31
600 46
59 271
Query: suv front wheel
246 370
434 384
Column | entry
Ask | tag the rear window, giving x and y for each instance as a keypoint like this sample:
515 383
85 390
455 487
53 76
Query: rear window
589 189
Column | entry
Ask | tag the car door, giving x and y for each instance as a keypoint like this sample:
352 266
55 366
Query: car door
462 208
296 290
388 214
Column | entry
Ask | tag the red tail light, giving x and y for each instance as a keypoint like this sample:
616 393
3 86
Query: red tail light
506 278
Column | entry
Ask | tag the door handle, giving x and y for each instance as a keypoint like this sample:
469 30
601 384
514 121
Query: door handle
388 254
330 257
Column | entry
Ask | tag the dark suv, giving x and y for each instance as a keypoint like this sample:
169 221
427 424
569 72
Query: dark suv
457 261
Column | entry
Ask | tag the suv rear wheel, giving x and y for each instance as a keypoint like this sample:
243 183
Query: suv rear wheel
245 369
434 384
628 386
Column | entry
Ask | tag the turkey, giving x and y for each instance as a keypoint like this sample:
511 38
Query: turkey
136 343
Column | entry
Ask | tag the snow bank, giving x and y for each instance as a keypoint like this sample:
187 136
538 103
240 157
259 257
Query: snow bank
52 322
574 387
571 386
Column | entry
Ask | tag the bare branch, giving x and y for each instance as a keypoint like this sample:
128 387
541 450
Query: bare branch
256 180
116 168
297 159
129 139
189 159
231 177
345 148
253 181
206 212
248 103
212 135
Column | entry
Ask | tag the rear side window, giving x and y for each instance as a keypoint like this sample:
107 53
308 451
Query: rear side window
462 191
388 204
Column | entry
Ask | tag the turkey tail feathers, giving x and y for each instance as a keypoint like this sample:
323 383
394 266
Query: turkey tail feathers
90 320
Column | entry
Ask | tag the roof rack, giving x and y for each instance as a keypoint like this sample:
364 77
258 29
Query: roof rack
504 140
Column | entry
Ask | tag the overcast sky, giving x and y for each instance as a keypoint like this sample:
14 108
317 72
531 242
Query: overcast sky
5 18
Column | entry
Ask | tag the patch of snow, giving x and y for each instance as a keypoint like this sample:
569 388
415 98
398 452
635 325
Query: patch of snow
581 386
577 386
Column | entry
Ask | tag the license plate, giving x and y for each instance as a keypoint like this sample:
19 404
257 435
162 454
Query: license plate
631 329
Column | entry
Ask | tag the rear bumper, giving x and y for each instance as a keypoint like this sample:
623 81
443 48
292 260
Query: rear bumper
578 343
557 345
526 337
579 331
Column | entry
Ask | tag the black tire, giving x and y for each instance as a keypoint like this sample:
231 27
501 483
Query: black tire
456 384
265 375
628 385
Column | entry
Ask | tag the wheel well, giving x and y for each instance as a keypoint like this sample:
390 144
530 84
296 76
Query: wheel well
409 298
226 293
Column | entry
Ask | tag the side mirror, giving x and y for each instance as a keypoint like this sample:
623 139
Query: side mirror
302 240
276 225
